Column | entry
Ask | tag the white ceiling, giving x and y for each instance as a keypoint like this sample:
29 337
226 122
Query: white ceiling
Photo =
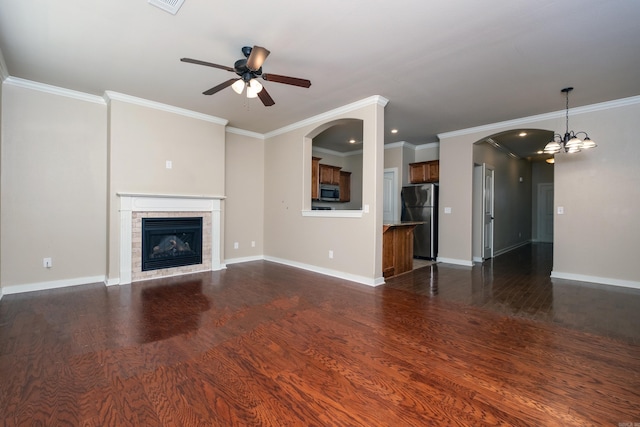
444 65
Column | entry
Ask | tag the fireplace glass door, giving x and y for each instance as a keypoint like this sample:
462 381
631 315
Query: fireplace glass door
171 242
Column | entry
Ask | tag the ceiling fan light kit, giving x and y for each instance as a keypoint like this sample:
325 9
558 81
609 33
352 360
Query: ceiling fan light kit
248 70
569 142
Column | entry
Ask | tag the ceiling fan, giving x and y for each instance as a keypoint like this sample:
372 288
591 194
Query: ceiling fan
249 69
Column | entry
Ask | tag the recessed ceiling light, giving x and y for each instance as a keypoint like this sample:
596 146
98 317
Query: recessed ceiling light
522 134
539 152
394 130
352 141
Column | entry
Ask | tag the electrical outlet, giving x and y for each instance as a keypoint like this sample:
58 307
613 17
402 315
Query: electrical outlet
47 262
253 243
236 245
169 164
330 254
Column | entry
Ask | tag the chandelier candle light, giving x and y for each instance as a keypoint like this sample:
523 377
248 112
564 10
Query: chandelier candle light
569 143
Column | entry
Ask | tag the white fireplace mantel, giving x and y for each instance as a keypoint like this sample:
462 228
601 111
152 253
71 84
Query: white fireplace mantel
135 202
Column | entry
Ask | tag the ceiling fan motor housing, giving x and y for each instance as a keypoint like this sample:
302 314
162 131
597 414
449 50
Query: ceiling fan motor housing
245 73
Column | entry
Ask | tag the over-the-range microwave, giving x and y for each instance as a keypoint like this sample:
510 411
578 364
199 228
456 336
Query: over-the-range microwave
329 193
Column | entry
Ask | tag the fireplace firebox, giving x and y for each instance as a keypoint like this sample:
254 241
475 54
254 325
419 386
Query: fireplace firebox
171 242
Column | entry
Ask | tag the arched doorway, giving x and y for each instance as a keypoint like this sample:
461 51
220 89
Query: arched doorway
519 170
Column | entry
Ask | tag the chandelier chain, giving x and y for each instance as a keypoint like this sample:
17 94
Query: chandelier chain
567 112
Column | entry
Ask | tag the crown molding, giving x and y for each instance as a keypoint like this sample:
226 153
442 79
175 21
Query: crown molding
399 144
372 100
405 144
427 146
546 116
243 132
337 153
110 95
55 90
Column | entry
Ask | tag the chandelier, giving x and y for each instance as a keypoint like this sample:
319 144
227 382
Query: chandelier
570 142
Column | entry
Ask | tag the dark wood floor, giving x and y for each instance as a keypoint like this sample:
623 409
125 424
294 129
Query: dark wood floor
266 344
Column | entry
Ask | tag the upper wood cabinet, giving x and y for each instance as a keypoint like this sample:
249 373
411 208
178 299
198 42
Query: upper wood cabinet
329 174
422 172
345 186
315 178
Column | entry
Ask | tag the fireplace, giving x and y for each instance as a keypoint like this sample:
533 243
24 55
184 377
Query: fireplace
171 242
136 207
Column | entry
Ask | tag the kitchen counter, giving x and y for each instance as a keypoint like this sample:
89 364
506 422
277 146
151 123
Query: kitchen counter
397 248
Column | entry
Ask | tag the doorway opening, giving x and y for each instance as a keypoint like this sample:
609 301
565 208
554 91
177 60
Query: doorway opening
520 214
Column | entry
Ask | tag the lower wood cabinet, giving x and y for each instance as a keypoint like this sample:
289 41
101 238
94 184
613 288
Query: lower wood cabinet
397 249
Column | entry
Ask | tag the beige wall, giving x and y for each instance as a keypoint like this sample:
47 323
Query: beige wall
597 237
141 140
63 159
427 152
306 241
244 205
54 171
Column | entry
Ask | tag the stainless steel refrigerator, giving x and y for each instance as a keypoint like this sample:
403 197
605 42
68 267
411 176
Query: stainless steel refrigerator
420 203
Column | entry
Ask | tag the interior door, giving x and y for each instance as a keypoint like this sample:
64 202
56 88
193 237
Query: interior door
545 212
487 210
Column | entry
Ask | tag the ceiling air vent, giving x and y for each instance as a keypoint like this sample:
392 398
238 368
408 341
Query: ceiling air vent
170 6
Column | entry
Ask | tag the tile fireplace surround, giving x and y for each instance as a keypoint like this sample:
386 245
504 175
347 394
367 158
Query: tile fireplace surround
134 207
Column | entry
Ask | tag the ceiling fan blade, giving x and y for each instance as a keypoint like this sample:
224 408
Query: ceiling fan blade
257 58
208 64
265 98
286 80
220 87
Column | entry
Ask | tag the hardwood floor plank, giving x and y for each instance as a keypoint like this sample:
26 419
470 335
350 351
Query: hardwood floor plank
270 345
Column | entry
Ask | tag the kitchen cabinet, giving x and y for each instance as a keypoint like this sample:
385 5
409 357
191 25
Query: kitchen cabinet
345 186
423 172
397 248
315 178
330 174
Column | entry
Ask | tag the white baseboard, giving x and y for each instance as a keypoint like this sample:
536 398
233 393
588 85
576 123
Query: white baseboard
42 286
244 259
328 272
455 261
595 279
112 281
